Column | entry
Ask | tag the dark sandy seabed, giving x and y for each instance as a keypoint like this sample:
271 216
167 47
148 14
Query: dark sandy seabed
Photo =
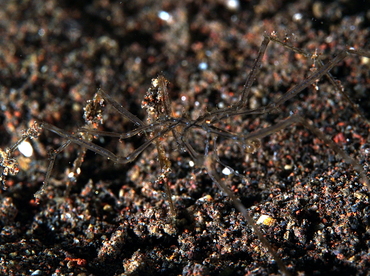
54 55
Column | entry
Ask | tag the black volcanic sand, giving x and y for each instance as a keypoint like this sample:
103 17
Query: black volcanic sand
115 219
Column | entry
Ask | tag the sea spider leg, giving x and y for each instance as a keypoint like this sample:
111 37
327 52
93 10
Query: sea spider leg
249 144
134 132
93 118
336 84
157 104
208 120
298 119
253 73
52 156
102 151
10 164
120 109
209 164
324 69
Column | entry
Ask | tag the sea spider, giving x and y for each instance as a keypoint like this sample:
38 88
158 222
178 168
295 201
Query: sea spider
161 123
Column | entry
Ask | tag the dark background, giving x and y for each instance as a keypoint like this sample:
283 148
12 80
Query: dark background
54 55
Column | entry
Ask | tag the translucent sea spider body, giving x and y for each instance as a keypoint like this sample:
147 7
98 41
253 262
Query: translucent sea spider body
161 124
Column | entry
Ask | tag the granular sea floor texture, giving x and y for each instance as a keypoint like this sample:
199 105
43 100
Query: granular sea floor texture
115 219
